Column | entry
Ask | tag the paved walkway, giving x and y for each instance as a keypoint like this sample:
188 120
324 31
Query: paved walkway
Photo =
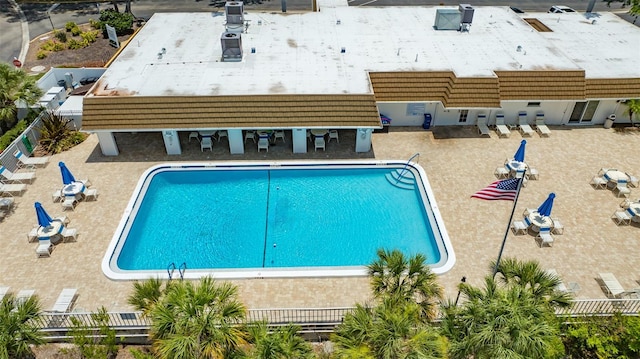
457 162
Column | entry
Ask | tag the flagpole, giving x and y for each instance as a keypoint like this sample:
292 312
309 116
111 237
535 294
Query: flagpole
506 233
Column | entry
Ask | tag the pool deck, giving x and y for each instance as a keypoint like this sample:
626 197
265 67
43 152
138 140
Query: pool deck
456 160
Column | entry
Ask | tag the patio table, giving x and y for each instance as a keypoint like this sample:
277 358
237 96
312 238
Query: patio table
616 176
536 221
516 168
51 232
74 189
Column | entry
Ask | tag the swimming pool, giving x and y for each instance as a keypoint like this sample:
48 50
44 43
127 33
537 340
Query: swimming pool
285 219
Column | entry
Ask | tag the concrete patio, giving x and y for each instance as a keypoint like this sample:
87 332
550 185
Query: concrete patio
456 160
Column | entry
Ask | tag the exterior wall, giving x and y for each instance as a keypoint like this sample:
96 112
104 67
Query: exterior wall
556 113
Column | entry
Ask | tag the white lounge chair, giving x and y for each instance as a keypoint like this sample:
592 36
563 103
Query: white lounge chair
44 248
263 144
13 188
206 143
501 128
519 227
621 218
69 234
19 177
3 292
31 161
481 123
319 143
610 285
598 182
194 135
65 301
25 295
91 194
523 124
541 127
545 238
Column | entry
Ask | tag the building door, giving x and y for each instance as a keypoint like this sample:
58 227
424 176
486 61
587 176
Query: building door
583 111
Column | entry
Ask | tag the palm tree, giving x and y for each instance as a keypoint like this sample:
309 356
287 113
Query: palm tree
405 279
15 85
17 328
512 316
530 275
633 106
193 320
283 343
391 330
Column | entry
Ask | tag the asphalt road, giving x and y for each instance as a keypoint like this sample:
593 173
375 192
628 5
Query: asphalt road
40 22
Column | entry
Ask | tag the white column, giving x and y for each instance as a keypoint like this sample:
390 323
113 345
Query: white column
299 136
108 144
171 142
236 144
363 139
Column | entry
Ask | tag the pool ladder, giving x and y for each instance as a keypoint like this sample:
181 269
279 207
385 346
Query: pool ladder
172 268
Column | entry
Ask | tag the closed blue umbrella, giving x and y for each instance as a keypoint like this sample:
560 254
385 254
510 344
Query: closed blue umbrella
43 217
67 177
519 156
545 207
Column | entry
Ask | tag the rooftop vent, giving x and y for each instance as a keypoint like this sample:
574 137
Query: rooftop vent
231 46
447 19
466 13
234 12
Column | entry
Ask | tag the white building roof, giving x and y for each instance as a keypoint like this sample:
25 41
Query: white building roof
301 53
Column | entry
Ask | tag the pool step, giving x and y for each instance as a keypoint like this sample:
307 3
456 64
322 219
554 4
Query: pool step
402 179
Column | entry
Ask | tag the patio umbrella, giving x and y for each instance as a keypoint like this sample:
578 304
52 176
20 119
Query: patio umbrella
545 207
67 177
519 156
43 218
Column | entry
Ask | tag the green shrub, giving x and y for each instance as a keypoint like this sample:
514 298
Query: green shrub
12 134
58 46
76 31
41 54
70 25
90 36
48 45
95 24
60 35
74 44
122 22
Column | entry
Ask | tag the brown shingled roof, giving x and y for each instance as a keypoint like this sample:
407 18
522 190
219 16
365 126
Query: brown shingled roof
541 85
613 88
262 111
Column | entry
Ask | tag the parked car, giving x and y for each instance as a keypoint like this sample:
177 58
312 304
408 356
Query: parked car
560 9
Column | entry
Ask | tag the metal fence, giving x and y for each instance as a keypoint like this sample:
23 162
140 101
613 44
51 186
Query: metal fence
133 326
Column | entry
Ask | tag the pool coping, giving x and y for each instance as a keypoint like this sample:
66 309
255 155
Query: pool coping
444 245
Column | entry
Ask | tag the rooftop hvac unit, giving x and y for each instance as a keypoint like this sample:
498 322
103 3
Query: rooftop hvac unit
231 46
447 19
234 11
466 13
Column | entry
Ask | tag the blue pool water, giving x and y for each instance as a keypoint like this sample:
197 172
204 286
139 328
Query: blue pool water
267 218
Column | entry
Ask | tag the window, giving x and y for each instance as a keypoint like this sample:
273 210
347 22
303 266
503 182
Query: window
533 104
463 115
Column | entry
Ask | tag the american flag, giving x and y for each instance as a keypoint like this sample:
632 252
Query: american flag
504 189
